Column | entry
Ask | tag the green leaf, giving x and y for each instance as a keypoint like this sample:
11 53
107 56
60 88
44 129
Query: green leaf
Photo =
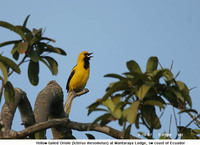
159 74
114 76
142 91
103 117
184 92
27 32
37 35
150 116
133 67
93 106
51 64
98 109
34 55
49 39
4 72
171 97
105 121
154 102
33 71
127 132
121 121
197 131
117 113
90 136
13 28
16 55
50 48
152 64
168 75
130 113
188 110
187 133
9 92
108 103
10 63
9 42
116 99
14 52
25 22
117 86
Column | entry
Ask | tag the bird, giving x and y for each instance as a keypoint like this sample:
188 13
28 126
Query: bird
79 75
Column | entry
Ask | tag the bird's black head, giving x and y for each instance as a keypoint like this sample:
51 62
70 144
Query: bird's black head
88 55
86 59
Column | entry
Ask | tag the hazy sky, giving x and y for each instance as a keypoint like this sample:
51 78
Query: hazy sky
116 31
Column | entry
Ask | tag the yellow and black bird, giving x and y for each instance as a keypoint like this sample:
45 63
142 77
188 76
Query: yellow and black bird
79 74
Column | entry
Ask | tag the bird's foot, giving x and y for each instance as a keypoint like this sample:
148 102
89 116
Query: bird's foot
74 93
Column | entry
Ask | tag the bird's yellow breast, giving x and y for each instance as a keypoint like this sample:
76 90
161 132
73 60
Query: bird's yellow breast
79 80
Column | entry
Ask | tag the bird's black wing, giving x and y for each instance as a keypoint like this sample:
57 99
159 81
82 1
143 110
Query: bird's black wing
70 77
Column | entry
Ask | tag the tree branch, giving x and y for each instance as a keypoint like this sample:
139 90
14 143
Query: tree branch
72 125
49 105
8 111
70 98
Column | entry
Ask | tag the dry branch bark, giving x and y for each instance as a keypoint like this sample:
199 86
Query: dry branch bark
49 105
70 98
72 125
8 110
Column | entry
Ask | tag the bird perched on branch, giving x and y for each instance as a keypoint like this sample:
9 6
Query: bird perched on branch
79 75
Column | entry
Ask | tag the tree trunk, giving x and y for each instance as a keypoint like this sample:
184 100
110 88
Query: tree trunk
49 105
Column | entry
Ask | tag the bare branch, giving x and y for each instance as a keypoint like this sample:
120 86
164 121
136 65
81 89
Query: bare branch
8 111
49 105
72 125
70 98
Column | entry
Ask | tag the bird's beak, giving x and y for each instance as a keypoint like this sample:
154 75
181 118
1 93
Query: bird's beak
89 55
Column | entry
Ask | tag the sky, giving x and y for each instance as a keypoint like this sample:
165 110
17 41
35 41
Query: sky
116 31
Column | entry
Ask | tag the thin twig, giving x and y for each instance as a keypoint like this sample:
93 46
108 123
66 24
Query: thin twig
160 115
177 74
160 64
124 128
175 119
1 92
170 123
171 65
196 118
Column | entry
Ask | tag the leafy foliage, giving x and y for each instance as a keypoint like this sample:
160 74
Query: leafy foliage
32 45
135 96
90 136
